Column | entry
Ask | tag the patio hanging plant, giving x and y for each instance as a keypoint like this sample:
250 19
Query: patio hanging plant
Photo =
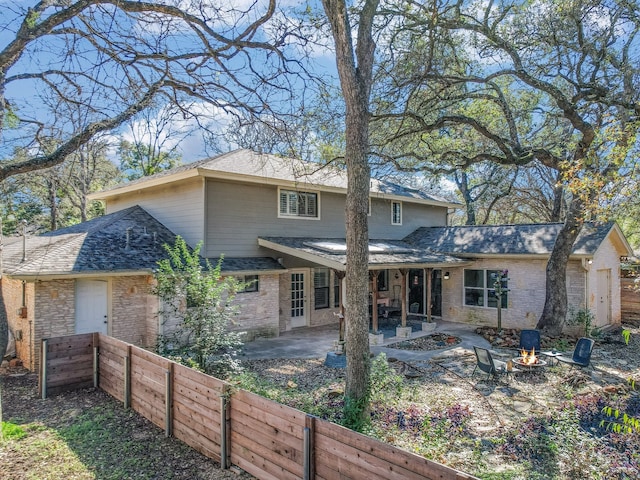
500 282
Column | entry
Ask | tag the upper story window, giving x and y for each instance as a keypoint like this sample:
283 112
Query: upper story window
297 204
479 288
396 213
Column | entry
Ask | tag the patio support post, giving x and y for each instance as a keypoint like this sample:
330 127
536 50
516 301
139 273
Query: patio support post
373 276
403 295
341 296
427 275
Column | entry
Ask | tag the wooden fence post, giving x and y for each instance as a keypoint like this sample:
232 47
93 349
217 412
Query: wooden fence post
43 368
309 449
225 434
168 400
127 378
96 361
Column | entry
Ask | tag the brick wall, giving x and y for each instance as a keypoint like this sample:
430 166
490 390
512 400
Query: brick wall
133 310
527 279
22 328
54 312
259 311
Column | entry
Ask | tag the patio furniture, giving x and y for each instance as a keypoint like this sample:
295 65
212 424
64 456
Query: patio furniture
581 354
529 340
486 363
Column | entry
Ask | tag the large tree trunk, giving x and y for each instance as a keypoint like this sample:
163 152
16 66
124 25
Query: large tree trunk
355 72
555 306
4 325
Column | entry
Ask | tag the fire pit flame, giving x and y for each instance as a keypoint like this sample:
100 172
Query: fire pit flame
529 359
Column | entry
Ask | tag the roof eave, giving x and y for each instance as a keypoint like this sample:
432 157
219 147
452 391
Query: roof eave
151 182
271 271
294 252
32 277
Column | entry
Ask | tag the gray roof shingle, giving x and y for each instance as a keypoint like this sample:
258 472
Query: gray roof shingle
526 239
381 252
271 167
100 245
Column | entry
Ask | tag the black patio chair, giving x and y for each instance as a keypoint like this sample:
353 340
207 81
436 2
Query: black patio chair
581 354
529 339
487 364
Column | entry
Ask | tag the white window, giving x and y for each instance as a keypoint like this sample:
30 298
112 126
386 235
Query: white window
396 213
321 288
297 204
479 288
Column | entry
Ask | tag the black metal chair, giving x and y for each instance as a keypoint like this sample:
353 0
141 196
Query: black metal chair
530 339
581 353
487 364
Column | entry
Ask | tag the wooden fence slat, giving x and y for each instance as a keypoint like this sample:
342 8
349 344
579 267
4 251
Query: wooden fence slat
207 429
202 444
255 464
280 436
294 416
274 462
329 435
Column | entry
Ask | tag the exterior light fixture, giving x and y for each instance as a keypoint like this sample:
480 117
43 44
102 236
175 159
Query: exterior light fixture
446 275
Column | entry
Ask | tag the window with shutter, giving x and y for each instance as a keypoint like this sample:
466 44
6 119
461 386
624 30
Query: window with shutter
298 204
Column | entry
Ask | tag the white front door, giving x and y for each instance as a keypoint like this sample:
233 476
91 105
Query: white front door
603 294
91 306
298 298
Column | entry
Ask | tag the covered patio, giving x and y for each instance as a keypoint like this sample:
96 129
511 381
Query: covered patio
404 280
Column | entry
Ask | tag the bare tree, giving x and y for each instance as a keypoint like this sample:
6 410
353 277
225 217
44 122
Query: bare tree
115 58
549 82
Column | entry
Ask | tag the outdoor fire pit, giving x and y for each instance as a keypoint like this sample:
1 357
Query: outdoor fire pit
529 359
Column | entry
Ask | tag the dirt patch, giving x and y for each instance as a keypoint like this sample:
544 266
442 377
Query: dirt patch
86 434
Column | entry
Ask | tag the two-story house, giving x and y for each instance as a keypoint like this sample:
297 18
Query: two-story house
280 223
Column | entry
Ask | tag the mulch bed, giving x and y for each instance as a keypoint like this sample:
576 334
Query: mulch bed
435 341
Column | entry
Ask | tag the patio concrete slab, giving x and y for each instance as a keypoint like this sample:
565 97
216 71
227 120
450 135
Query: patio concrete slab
316 342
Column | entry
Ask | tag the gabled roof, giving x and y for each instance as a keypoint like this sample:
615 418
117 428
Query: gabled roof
252 167
129 241
96 246
526 239
332 252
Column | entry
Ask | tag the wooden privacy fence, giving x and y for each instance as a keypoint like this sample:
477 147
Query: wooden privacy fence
269 440
630 300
